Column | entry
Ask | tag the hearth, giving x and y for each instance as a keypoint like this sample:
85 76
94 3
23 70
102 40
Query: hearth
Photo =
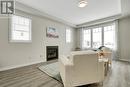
52 52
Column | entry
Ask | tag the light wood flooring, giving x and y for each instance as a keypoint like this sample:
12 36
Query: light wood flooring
31 76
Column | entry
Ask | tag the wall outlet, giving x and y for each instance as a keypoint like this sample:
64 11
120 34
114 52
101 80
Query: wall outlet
41 56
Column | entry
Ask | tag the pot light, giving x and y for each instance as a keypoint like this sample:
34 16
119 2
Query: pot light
82 3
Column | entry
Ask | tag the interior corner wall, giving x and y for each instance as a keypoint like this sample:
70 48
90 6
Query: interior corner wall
125 7
14 55
124 38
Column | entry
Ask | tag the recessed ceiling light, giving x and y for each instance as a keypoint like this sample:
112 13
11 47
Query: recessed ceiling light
82 3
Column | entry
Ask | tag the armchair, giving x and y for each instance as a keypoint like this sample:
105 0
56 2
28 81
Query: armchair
80 68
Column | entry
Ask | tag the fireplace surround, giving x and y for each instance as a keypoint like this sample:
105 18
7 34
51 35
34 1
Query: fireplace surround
52 52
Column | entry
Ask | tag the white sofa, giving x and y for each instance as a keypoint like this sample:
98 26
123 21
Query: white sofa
81 68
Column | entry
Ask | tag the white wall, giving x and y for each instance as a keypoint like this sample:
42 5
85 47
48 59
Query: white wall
79 38
125 7
19 54
124 38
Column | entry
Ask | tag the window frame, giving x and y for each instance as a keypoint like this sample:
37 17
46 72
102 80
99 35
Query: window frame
66 35
114 25
92 35
11 30
90 39
102 32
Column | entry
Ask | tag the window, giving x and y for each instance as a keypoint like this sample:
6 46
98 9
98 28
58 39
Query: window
109 36
99 36
68 35
20 29
87 38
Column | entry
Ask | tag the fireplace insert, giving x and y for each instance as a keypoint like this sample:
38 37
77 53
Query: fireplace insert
52 52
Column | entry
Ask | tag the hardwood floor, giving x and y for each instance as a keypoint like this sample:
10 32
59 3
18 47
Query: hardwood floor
119 76
31 76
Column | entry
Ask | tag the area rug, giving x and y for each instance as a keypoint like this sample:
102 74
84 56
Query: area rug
52 70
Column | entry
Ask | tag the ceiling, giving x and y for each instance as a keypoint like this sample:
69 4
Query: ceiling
68 10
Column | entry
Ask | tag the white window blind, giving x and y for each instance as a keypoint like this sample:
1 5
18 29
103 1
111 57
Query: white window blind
68 35
20 29
109 36
87 38
97 37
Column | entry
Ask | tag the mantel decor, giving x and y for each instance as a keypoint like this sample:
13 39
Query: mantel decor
52 32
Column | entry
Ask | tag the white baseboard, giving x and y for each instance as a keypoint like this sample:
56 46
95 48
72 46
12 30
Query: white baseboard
125 60
18 66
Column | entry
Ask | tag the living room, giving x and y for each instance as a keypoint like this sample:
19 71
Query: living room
41 32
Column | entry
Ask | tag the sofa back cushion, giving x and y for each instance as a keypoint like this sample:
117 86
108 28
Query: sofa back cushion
85 66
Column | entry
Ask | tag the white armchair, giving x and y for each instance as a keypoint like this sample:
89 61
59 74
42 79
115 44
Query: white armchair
80 68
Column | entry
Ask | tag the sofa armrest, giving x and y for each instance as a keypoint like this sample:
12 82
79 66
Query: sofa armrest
66 61
66 70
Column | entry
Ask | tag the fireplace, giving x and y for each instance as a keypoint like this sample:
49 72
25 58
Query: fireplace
52 52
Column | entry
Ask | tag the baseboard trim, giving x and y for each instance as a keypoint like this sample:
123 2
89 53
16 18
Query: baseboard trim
18 66
125 60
